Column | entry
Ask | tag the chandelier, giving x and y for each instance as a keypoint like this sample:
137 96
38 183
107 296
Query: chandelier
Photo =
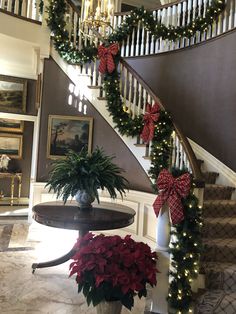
96 16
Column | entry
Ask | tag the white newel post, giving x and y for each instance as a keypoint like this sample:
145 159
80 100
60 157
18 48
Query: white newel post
159 293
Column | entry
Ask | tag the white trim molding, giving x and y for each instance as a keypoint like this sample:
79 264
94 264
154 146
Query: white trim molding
227 176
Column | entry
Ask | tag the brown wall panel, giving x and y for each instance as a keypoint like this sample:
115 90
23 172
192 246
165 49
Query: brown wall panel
198 86
54 101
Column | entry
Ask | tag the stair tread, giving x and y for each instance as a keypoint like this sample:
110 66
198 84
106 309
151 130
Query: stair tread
217 301
218 186
217 202
221 220
218 266
220 242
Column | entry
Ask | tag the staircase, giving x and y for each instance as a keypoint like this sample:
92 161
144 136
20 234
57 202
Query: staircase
218 262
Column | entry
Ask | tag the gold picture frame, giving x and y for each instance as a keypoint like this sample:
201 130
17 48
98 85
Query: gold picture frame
11 145
68 133
13 93
11 125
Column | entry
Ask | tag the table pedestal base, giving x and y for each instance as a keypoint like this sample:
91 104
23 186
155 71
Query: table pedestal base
54 262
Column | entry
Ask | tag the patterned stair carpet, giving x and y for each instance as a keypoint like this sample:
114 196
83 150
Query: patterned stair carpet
218 262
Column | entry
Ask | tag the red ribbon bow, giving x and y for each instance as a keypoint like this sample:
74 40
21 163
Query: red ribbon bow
106 57
171 191
151 115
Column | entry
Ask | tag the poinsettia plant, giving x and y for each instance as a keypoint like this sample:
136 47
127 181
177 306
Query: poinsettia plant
111 268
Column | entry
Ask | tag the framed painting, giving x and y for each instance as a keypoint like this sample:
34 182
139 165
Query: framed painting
11 145
13 94
68 133
9 125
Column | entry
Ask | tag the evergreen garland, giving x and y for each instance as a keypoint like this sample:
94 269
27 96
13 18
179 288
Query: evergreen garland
186 246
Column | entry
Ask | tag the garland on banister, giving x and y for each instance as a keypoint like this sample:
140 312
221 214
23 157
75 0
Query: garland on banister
155 125
57 24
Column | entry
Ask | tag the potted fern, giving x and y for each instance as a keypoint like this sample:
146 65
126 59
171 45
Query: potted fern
82 174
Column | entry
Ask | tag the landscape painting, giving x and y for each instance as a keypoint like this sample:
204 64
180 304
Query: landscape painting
10 125
12 94
68 133
11 145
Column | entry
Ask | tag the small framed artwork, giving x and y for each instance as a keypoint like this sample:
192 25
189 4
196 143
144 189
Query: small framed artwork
9 125
11 145
68 133
13 94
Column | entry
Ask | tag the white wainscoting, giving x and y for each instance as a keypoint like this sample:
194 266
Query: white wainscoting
144 226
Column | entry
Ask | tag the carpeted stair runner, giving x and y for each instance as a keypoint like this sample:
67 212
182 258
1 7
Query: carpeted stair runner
218 261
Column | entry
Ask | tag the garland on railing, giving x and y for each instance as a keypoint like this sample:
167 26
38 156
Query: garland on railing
56 22
186 245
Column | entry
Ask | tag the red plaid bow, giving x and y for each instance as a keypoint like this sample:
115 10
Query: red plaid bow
171 191
152 115
106 57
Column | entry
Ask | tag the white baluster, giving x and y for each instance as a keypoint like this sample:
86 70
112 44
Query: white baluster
132 48
234 13
137 43
194 6
24 8
177 153
80 34
125 85
198 34
134 107
231 15
9 5
173 149
203 35
144 100
75 24
147 43
94 81
142 51
139 98
225 18
16 7
2 5
181 164
182 43
152 46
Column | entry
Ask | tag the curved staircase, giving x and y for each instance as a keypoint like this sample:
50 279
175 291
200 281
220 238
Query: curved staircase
218 262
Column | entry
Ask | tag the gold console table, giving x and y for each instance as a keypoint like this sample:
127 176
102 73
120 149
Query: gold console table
13 176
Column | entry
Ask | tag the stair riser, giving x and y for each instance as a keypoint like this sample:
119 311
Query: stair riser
220 280
219 254
217 194
210 178
219 231
219 211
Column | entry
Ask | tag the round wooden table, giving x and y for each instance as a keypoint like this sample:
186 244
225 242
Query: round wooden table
103 216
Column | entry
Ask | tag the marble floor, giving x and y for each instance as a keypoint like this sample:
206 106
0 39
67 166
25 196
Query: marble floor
49 290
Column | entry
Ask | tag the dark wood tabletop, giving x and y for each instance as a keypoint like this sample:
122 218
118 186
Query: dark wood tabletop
103 216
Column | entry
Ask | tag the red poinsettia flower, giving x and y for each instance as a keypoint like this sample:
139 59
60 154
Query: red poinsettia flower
120 268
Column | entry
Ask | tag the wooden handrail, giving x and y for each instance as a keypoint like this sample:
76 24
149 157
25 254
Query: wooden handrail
27 19
198 177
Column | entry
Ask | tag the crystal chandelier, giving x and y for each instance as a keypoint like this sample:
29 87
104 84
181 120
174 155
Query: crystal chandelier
96 16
